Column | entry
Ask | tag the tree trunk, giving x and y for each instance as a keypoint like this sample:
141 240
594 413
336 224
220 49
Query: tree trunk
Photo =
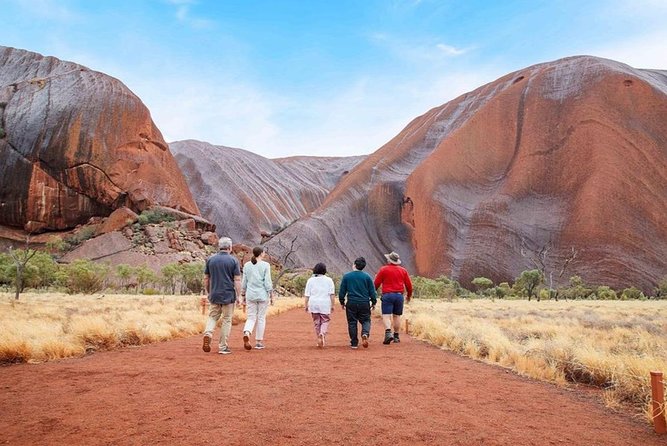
19 282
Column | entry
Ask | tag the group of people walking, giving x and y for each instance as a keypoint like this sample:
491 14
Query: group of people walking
225 287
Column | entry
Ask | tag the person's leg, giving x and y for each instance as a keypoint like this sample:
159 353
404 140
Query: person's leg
365 319
251 317
261 320
398 312
227 313
350 313
324 324
316 323
387 311
213 316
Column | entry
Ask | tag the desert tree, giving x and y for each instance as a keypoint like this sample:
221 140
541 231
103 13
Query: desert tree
284 252
529 280
548 264
482 284
21 257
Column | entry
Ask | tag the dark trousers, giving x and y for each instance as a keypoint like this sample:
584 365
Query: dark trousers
360 313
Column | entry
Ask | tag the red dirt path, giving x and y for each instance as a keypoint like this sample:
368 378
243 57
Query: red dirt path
292 393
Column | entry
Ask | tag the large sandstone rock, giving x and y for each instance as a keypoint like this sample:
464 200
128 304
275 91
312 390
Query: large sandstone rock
76 143
571 153
246 195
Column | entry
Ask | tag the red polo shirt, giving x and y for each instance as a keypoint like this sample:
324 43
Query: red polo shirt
394 279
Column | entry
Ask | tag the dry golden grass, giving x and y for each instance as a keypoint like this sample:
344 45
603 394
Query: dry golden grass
43 327
609 344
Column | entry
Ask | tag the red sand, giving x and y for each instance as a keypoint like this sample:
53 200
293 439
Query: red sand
292 393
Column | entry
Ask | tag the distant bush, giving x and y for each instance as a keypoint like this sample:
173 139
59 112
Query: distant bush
150 291
85 276
577 289
632 293
74 240
482 284
151 216
605 293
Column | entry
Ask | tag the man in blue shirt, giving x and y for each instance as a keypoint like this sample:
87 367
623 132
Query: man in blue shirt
360 291
222 281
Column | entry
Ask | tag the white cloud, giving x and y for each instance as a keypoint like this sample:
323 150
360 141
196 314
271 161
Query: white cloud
184 15
644 51
417 51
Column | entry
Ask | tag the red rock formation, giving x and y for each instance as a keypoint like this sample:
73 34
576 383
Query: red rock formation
571 153
247 195
76 143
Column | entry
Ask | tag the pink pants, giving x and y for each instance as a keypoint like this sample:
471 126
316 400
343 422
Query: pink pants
321 322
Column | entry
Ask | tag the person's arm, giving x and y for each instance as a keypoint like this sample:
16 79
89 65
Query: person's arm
237 288
244 285
378 278
306 294
207 289
408 286
371 292
237 280
332 294
342 292
268 283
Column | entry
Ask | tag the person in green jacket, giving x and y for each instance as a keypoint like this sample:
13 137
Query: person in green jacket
359 289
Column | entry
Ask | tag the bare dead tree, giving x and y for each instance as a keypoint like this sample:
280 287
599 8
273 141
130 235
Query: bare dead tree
548 266
285 256
21 259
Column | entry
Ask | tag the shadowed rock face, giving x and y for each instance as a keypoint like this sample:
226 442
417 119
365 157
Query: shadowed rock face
571 153
246 195
76 143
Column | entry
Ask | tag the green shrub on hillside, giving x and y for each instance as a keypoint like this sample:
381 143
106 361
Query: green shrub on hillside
150 216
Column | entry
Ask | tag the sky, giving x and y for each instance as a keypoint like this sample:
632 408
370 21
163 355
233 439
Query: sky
321 77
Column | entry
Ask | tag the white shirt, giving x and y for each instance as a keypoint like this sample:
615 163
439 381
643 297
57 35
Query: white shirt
318 291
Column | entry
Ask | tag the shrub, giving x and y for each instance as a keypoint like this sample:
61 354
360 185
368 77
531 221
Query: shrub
577 289
606 293
154 216
84 276
482 284
632 293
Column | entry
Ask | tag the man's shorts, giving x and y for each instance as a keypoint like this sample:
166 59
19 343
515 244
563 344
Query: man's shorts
392 303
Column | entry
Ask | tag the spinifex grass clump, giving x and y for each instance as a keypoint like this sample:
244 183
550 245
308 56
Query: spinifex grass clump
612 345
42 327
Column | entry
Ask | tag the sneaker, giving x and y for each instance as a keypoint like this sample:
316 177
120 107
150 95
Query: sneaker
364 340
387 337
246 341
207 344
225 351
354 347
396 339
320 341
259 346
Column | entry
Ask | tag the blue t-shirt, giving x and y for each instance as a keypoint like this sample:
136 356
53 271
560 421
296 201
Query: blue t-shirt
221 269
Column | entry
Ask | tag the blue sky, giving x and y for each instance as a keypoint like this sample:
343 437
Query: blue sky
315 77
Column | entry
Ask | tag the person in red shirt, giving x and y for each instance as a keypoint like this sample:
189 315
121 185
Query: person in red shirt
394 280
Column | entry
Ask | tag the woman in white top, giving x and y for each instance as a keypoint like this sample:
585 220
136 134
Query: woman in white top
256 293
319 296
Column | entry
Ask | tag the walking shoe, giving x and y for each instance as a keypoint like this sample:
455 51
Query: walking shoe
354 347
396 339
387 337
259 346
224 351
246 341
364 340
207 344
320 341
